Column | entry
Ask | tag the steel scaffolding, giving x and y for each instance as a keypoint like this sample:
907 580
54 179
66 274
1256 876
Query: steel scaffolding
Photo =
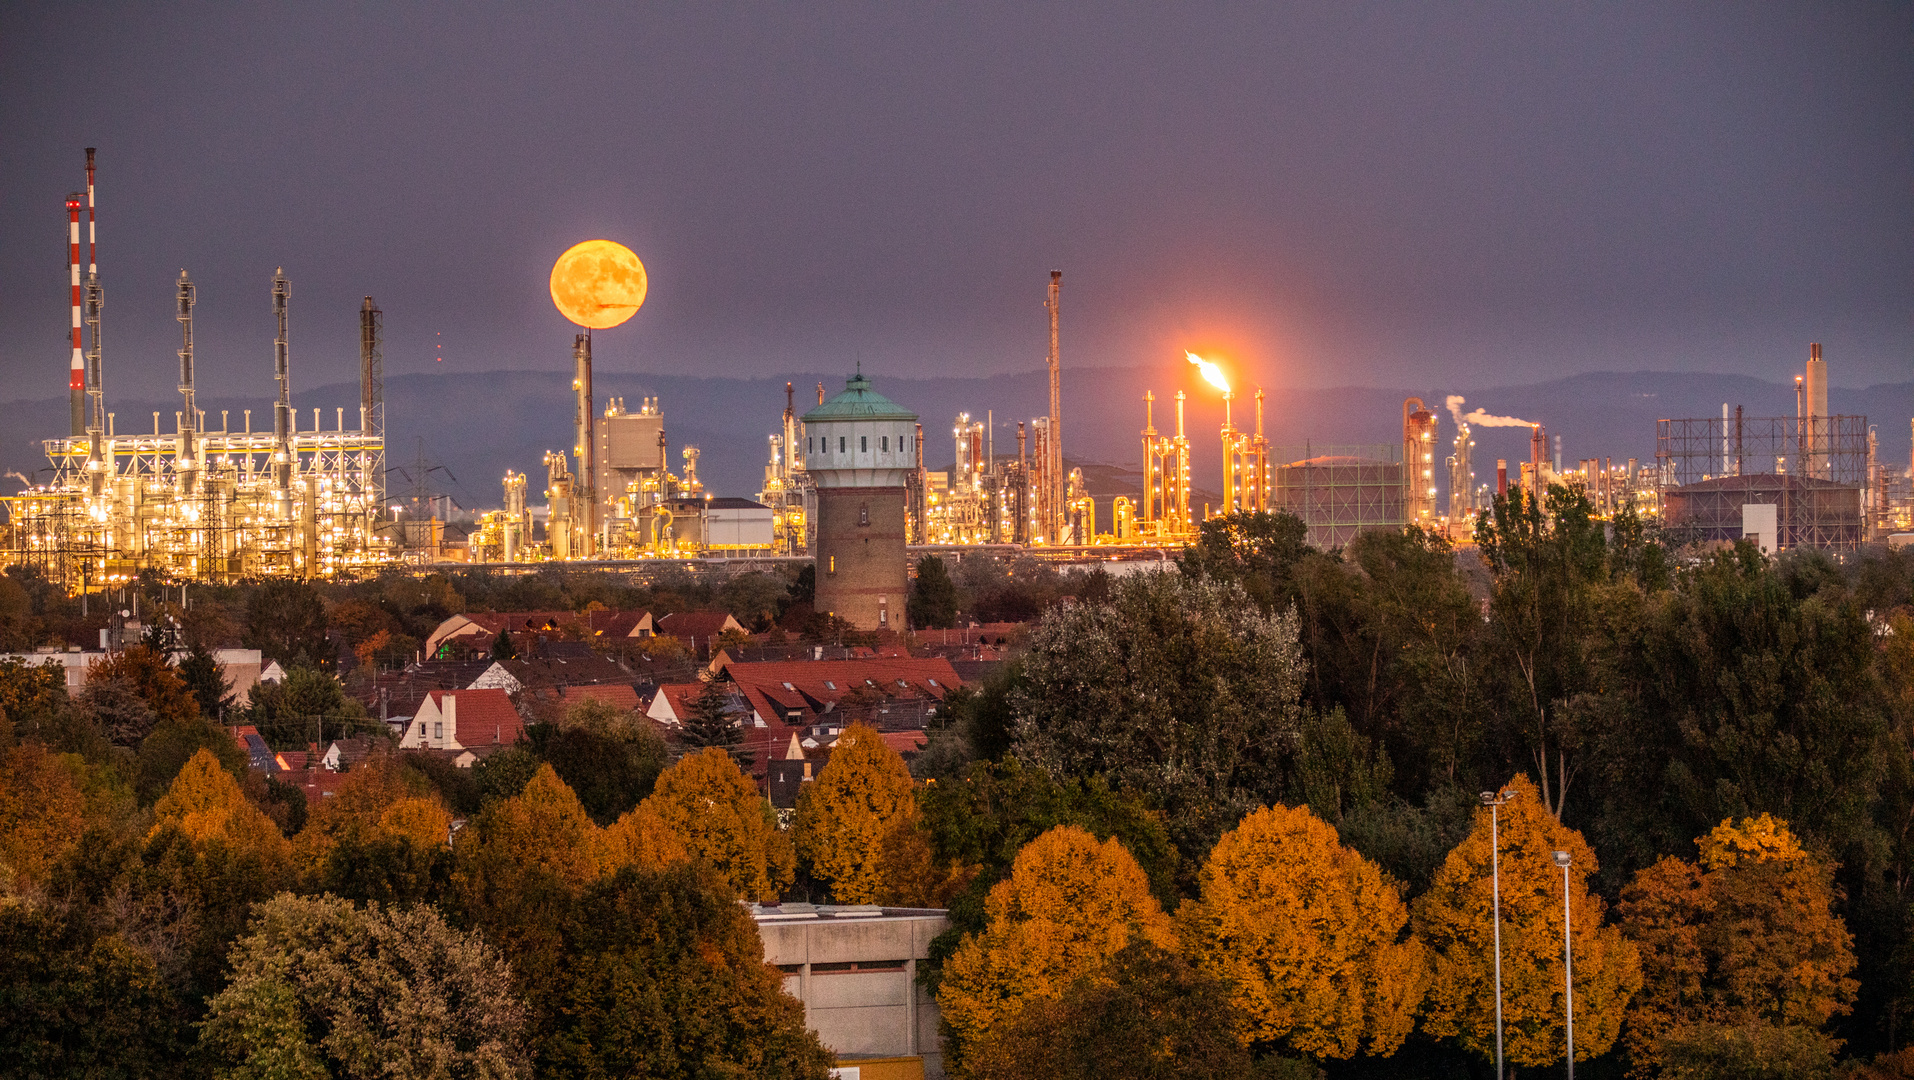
1811 468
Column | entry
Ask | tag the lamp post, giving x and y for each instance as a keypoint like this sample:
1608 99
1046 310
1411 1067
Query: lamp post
1494 800
1568 964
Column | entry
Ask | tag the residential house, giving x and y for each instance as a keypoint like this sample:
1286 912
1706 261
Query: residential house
474 631
699 630
461 719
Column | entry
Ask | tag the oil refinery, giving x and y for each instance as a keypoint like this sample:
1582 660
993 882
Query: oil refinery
203 501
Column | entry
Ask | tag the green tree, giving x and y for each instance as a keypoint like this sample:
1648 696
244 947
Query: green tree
502 649
164 752
324 988
80 1003
1255 550
713 720
286 621
310 706
1146 1014
1310 935
1747 938
1454 920
843 816
1177 688
719 817
29 694
664 976
933 598
205 679
1070 903
610 757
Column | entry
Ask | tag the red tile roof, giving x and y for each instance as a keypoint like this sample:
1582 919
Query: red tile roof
481 716
696 627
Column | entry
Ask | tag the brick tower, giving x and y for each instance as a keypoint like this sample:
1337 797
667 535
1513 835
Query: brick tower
859 446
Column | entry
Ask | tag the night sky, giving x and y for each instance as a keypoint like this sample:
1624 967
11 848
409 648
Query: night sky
1318 194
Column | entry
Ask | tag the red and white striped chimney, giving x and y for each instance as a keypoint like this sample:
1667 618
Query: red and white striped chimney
76 377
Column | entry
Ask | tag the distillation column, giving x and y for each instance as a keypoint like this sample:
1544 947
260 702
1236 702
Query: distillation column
282 408
584 497
185 459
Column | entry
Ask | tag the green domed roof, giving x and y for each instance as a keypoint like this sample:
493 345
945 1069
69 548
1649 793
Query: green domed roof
859 402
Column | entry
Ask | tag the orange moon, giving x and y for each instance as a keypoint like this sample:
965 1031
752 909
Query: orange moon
598 284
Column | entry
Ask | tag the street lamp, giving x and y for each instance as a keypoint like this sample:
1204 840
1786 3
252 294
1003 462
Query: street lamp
1495 800
1568 964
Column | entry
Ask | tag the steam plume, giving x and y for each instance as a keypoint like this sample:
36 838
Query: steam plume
1455 403
1482 418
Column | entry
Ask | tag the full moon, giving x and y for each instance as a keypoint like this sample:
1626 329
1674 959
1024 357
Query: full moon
598 284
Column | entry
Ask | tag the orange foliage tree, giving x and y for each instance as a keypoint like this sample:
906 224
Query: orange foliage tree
377 837
1453 918
716 813
1745 938
42 813
844 815
150 675
206 804
1311 936
1069 904
522 862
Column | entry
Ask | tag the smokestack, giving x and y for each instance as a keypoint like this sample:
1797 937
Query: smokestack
1053 439
585 518
76 372
1501 476
95 299
1815 390
282 408
189 416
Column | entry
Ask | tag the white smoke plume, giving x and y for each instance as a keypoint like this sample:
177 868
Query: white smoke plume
11 475
1455 403
1483 418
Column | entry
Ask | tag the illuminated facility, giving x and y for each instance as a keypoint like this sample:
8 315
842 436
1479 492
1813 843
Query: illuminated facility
199 503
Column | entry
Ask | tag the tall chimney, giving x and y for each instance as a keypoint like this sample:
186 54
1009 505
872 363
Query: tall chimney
185 457
1053 441
585 518
1816 387
282 408
95 299
76 372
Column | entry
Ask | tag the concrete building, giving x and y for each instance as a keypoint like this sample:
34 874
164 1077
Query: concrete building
739 527
855 970
860 447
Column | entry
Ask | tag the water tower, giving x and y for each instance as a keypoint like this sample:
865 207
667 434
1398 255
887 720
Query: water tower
859 446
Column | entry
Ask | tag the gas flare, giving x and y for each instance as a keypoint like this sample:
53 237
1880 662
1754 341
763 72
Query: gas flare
1211 371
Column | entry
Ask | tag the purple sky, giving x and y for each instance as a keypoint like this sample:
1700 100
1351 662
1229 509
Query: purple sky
1320 194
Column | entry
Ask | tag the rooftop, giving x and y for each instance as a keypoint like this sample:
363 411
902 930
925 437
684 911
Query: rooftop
859 402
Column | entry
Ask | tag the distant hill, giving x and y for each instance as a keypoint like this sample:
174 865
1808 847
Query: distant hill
480 425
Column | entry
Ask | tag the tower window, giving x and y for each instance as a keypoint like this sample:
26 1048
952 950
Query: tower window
863 444
884 444
810 445
840 444
863 513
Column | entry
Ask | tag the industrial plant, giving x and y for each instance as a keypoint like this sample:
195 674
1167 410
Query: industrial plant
846 484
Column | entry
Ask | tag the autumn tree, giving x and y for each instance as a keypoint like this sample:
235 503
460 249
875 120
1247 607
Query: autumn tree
1178 688
1069 904
844 815
383 835
664 975
206 805
521 862
1147 1014
1746 937
42 812
1310 935
1454 920
721 818
321 987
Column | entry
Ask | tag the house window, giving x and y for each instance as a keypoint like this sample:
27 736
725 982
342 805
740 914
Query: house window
788 686
933 682
863 444
829 685
438 729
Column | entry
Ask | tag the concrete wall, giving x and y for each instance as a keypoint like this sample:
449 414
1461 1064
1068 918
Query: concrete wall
857 978
863 571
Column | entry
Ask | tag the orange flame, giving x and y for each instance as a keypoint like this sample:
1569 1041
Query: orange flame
1211 372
